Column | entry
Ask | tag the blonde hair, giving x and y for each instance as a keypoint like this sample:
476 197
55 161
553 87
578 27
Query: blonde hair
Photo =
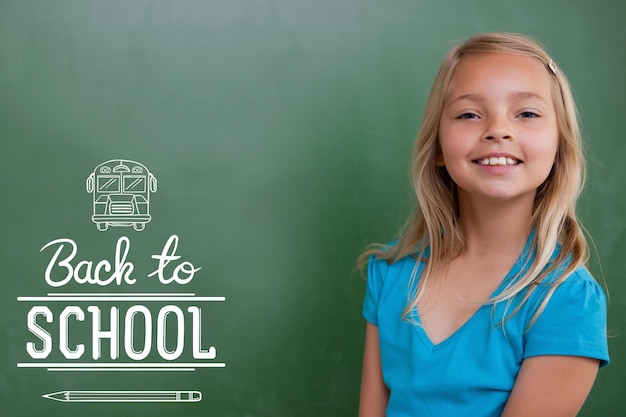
434 223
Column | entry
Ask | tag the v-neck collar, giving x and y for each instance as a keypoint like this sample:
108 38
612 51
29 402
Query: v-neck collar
525 257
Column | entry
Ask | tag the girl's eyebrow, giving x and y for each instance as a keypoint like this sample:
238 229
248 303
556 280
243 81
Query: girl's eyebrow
523 95
517 95
469 96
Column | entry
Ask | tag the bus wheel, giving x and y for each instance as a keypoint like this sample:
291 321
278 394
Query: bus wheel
139 226
103 226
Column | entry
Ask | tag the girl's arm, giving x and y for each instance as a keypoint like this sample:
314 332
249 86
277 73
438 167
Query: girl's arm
374 392
551 386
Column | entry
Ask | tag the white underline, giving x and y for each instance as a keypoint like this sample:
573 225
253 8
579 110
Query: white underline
122 365
120 298
119 294
120 369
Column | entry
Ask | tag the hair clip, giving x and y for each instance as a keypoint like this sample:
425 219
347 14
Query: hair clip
552 66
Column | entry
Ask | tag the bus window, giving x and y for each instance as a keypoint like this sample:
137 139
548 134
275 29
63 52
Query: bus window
108 184
134 184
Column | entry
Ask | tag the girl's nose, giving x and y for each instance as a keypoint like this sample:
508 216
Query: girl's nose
498 135
498 129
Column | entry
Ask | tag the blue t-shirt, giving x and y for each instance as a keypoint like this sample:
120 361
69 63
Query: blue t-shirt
472 372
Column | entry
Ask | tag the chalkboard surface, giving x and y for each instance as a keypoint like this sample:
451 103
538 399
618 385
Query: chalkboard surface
186 186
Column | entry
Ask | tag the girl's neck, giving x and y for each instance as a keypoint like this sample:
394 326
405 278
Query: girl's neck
493 228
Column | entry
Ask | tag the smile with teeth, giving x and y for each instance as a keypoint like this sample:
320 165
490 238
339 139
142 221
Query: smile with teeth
495 160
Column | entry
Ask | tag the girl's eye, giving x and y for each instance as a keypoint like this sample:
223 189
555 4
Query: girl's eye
528 114
468 116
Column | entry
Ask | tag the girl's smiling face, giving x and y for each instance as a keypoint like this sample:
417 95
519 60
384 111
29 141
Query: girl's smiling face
498 131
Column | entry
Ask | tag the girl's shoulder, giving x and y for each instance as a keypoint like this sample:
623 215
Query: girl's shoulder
578 287
580 284
577 279
582 275
388 281
573 321
384 267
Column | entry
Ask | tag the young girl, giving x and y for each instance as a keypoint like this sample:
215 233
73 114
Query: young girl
483 306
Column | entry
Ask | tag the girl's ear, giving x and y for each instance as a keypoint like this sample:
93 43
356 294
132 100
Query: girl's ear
439 161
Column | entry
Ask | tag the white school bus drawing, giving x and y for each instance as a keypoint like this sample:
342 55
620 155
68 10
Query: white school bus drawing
121 194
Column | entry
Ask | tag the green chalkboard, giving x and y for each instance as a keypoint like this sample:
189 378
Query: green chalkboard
235 157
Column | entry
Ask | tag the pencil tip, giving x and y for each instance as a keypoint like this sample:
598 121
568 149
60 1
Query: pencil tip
56 396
